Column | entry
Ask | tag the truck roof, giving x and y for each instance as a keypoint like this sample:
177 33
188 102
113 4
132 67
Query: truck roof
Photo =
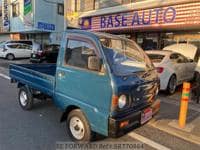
96 34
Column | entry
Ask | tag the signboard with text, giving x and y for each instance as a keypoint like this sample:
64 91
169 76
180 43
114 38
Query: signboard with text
46 26
184 15
5 16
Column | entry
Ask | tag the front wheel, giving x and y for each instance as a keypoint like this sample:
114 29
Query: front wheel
25 98
78 127
171 88
10 57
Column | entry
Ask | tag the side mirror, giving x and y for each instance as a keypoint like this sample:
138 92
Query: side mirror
94 63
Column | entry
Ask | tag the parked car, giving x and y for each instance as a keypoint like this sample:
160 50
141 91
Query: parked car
49 55
173 68
35 46
102 83
11 51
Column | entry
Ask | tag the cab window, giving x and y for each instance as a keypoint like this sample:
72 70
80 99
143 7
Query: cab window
78 53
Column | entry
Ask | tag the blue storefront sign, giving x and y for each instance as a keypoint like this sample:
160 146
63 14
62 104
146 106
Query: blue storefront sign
46 26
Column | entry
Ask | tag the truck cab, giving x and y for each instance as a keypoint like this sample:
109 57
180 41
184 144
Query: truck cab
102 83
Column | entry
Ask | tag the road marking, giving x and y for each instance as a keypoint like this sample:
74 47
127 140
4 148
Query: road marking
148 141
175 132
4 76
178 104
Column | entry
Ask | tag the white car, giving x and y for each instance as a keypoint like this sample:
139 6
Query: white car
173 68
11 51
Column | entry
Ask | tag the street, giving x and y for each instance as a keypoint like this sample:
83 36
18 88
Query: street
40 128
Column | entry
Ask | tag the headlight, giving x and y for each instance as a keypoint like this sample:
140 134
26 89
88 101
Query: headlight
122 101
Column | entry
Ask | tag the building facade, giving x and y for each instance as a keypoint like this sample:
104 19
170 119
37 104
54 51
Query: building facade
153 24
41 20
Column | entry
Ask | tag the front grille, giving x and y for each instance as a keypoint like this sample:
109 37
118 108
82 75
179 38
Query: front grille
143 94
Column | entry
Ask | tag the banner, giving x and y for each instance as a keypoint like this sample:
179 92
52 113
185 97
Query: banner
180 16
28 9
5 16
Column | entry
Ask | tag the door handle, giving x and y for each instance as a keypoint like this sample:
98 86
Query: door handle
61 74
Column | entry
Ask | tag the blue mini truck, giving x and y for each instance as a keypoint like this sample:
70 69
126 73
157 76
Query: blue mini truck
103 83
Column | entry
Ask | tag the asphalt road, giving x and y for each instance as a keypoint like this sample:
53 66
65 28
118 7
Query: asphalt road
40 129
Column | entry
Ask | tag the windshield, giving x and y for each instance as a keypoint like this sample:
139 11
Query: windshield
124 56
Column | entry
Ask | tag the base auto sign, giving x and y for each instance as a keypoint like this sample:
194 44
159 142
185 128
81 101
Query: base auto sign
149 18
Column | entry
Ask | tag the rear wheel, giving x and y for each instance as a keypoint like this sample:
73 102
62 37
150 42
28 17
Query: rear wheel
25 98
10 57
171 88
78 127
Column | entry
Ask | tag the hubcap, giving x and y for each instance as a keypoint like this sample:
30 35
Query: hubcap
23 98
10 57
77 128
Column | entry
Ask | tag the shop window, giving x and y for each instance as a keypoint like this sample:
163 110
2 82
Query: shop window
15 10
60 9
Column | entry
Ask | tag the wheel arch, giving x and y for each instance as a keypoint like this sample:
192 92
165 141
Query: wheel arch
66 112
10 54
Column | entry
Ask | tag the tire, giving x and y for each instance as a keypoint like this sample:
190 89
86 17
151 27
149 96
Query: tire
171 88
25 98
196 77
10 57
78 127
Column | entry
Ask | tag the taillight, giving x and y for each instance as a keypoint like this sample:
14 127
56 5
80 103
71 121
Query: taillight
160 69
40 53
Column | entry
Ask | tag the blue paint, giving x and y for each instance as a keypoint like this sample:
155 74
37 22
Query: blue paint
158 11
136 19
103 23
146 22
168 10
124 21
110 22
117 20
46 26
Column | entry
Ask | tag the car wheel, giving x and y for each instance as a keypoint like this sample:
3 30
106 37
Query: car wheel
25 98
78 127
196 77
171 88
10 57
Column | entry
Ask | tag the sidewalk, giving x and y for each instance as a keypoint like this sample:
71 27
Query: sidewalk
167 119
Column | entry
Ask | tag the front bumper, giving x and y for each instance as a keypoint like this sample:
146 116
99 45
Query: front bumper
133 120
35 60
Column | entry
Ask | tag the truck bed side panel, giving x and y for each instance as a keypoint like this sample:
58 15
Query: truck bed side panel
37 76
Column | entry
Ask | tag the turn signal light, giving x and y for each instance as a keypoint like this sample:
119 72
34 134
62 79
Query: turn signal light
160 69
115 101
123 124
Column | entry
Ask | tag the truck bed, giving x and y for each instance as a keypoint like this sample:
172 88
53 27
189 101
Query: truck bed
40 77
